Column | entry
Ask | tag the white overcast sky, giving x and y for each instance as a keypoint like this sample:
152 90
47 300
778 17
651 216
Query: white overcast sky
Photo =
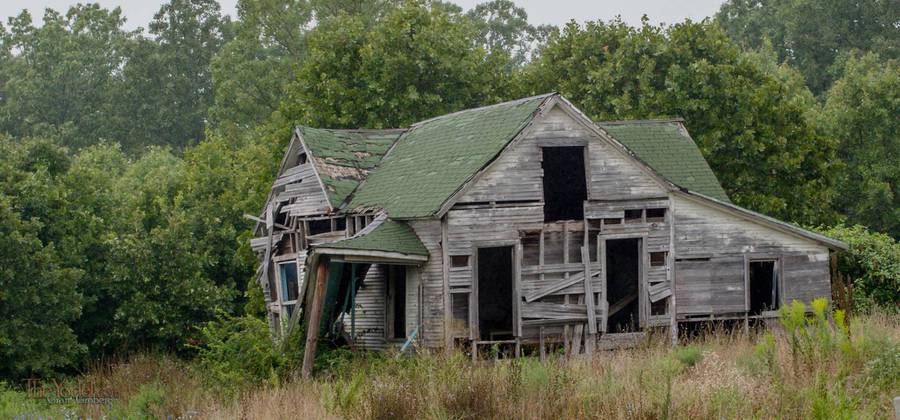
557 12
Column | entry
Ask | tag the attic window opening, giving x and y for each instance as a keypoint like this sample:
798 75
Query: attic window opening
565 187
656 215
319 226
302 158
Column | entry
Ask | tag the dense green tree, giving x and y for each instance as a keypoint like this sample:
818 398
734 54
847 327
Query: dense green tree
417 62
59 77
250 72
168 86
862 112
750 124
502 28
39 298
812 34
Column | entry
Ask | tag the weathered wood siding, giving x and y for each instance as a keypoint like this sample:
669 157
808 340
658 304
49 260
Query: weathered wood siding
431 280
711 246
370 310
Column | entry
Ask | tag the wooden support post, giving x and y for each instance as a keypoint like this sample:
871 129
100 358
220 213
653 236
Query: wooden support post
543 352
589 302
315 318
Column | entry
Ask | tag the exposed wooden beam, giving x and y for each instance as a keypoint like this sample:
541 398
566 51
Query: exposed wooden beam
315 318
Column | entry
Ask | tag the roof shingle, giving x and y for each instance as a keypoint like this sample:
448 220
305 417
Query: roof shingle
667 148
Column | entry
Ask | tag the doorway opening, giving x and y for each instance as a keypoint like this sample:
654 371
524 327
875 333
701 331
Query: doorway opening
623 265
495 293
763 278
396 302
565 187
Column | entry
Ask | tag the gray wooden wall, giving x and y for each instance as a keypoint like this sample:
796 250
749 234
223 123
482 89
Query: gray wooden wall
716 286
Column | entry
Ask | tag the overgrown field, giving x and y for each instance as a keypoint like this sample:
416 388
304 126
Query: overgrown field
816 367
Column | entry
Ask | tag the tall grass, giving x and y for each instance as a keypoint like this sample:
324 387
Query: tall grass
819 366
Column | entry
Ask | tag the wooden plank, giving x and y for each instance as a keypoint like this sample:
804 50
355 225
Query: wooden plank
560 285
549 310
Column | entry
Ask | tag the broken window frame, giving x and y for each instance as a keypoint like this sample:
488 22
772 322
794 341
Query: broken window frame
778 271
459 262
665 258
286 306
654 218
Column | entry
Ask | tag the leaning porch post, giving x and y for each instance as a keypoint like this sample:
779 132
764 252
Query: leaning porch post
315 317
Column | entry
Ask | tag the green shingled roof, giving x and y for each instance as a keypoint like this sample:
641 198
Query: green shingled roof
389 236
343 158
436 157
670 151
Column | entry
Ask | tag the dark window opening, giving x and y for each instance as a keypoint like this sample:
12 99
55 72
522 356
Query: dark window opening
763 286
495 303
656 215
396 302
634 216
565 187
660 307
302 158
658 259
457 261
289 287
623 266
317 227
340 224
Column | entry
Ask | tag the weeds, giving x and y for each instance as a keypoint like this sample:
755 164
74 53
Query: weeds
818 365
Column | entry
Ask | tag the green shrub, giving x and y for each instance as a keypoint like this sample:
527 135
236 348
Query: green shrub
872 265
238 352
688 355
148 402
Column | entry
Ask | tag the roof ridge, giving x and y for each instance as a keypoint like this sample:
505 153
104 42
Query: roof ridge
647 121
481 108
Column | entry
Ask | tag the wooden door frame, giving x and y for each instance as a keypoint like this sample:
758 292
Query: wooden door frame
515 245
643 263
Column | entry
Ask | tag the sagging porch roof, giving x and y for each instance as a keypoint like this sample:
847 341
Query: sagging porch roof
382 239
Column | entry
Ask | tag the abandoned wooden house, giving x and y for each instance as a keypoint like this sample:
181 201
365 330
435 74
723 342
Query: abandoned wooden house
514 224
